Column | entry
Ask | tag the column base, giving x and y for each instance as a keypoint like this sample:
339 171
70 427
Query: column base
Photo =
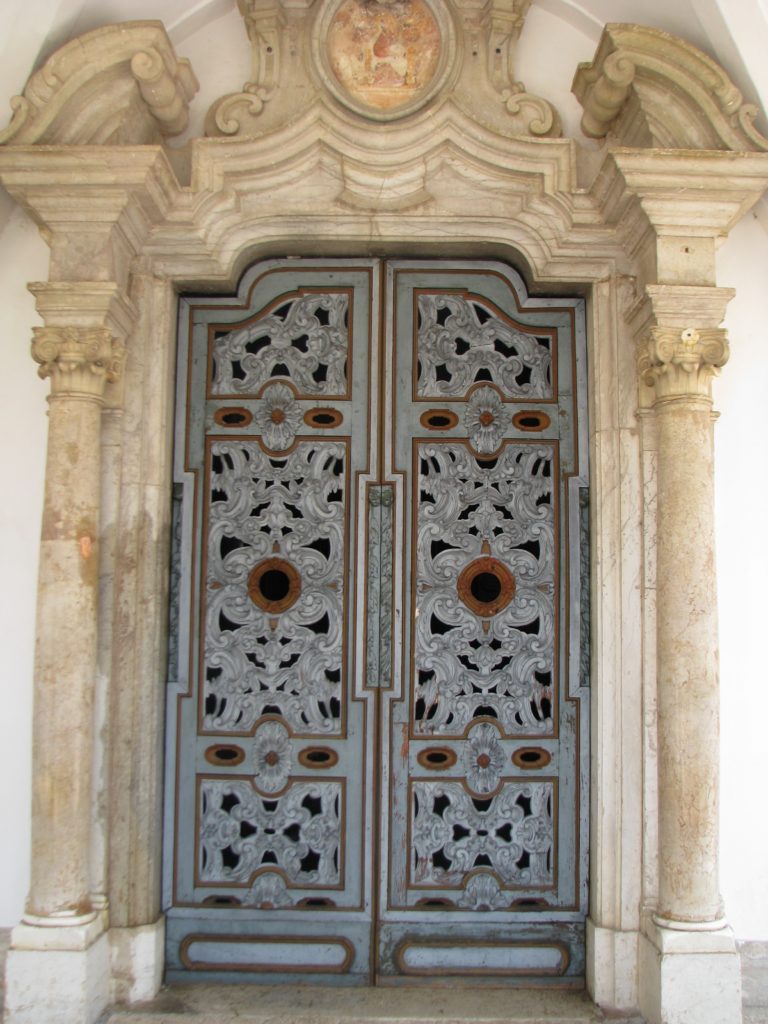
57 974
138 958
689 977
612 967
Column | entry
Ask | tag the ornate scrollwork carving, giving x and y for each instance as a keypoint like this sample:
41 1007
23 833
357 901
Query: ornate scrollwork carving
79 360
605 93
462 340
166 87
305 340
298 832
259 660
235 113
510 833
532 114
682 363
497 665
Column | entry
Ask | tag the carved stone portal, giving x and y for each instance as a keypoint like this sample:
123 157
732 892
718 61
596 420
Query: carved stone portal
306 160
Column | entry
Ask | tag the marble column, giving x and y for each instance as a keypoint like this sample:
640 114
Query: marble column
696 979
79 362
680 366
58 964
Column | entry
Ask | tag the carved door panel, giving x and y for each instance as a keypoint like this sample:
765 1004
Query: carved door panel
484 728
376 724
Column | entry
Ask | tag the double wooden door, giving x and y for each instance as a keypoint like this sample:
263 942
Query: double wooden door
377 713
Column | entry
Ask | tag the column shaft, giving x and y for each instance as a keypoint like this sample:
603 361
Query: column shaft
687 664
79 362
66 661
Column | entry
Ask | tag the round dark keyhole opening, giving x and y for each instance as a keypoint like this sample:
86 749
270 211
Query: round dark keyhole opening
321 418
437 757
233 417
485 587
274 585
439 421
529 421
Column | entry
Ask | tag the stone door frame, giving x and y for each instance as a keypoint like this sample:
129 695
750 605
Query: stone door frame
125 237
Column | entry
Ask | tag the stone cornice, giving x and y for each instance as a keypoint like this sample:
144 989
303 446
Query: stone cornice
118 84
645 87
104 197
681 192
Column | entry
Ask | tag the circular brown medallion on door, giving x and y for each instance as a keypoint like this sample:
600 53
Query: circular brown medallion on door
274 585
486 586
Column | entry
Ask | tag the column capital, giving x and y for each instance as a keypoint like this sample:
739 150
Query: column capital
680 364
79 360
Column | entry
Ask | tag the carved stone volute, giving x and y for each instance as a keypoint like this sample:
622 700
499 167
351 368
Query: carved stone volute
647 88
681 364
80 361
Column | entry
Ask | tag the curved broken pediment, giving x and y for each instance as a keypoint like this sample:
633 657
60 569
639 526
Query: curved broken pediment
647 88
121 84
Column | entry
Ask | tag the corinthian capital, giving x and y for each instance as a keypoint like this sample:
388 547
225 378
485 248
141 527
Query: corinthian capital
681 364
79 360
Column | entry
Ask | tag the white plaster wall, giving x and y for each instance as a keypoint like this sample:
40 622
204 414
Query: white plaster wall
566 34
741 442
23 429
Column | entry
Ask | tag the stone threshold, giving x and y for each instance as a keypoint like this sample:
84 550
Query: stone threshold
276 1004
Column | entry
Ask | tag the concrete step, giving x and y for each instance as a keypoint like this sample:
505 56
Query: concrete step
275 1004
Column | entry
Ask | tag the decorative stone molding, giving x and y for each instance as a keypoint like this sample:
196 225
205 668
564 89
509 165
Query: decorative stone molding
265 22
120 84
647 88
681 364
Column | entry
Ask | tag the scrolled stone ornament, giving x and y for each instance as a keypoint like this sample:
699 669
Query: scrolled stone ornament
680 364
79 360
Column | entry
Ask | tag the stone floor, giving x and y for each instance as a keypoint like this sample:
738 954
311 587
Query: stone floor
270 1004
224 1004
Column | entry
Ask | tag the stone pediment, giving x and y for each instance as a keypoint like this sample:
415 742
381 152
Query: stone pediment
121 84
647 88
